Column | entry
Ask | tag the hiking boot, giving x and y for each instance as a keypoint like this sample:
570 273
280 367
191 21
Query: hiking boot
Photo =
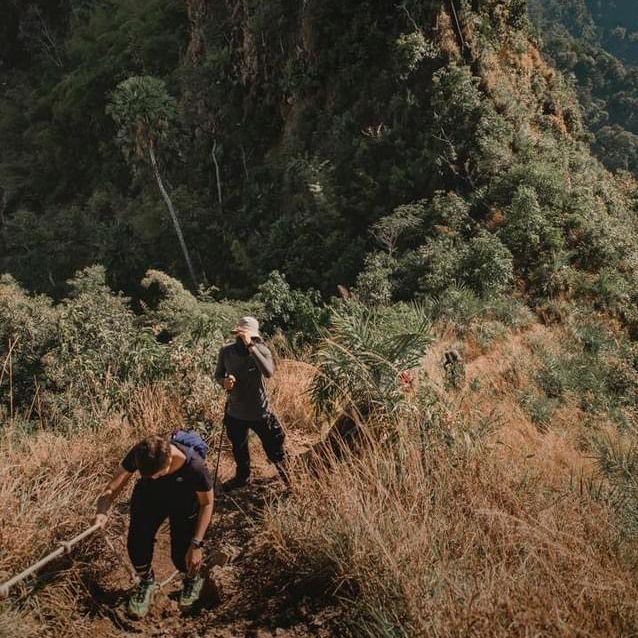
235 483
191 592
141 598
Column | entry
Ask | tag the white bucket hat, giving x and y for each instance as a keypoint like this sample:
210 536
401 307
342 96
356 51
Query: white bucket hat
249 325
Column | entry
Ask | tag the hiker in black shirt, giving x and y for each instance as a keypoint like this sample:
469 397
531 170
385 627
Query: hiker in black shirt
174 483
241 369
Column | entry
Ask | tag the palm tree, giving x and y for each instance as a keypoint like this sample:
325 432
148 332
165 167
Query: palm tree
144 111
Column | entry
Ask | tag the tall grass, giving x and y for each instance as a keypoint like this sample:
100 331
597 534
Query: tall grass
454 526
49 480
453 542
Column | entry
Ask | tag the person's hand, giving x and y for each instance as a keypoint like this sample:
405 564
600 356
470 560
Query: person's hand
244 336
229 382
101 519
194 558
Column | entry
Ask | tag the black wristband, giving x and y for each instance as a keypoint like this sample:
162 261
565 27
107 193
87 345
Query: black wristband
195 542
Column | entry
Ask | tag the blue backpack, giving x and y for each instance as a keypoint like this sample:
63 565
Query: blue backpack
192 441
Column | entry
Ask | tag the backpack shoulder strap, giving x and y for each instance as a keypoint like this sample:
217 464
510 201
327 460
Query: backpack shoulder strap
186 449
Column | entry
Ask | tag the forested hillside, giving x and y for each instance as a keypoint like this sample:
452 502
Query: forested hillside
431 208
596 43
330 141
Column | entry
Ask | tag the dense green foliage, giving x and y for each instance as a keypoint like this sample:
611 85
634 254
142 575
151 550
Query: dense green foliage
596 43
355 144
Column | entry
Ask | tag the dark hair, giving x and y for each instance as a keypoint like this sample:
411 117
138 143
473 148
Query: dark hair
152 454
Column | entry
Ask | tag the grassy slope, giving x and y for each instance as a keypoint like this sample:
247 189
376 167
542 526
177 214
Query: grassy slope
475 520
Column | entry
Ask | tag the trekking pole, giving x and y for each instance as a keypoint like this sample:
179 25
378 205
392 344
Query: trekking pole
169 579
65 548
219 455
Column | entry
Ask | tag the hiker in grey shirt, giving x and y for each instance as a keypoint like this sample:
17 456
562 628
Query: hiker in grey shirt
241 369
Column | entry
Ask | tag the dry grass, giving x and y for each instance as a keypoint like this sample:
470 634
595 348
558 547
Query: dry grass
491 536
456 543
289 395
433 535
49 481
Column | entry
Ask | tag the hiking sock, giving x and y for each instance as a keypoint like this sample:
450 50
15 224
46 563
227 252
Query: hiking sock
145 572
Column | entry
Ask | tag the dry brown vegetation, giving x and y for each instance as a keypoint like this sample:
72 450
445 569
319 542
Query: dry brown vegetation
450 533
457 545
49 481
470 520
48 485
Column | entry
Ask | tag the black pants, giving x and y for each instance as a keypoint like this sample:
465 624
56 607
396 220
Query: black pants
151 504
269 432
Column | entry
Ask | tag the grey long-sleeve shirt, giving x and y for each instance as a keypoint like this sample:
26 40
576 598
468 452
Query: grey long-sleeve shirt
248 400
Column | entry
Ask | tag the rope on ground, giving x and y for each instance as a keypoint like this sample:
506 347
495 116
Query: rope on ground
65 548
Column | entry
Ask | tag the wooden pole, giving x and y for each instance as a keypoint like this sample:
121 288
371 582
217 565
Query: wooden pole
65 548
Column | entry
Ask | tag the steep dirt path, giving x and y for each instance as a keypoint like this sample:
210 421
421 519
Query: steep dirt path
243 597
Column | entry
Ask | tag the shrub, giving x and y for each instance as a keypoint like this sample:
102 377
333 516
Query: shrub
538 407
487 266
98 349
168 305
361 356
614 292
374 284
458 305
618 462
28 326
291 311
441 260
533 241
552 377
411 50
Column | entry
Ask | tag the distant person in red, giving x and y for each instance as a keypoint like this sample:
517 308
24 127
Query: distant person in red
174 483
242 367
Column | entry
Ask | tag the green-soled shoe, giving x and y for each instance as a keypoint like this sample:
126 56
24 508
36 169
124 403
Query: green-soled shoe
140 600
191 592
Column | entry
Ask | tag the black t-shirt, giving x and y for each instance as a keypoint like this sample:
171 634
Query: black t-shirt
193 474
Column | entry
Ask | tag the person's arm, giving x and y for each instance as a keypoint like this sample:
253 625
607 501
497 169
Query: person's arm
263 358
220 368
194 555
108 496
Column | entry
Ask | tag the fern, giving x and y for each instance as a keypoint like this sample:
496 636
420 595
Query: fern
361 356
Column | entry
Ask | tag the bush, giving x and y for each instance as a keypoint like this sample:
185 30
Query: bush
538 407
168 305
535 244
361 356
487 266
28 328
458 305
411 50
374 283
291 311
99 351
618 462
441 260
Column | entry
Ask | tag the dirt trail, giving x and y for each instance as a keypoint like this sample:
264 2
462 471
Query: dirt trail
245 601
